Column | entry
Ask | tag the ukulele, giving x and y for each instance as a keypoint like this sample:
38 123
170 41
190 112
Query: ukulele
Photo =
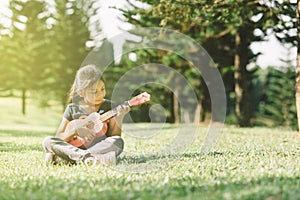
94 122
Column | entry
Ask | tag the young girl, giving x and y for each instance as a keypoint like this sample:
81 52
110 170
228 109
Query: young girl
86 97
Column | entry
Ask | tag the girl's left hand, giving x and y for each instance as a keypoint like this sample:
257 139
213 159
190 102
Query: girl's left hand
123 110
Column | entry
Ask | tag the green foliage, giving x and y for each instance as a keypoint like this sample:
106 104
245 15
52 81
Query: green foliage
285 22
278 96
67 48
214 24
44 49
24 48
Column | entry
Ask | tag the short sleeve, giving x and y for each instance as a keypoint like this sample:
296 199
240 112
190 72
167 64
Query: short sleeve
74 111
68 113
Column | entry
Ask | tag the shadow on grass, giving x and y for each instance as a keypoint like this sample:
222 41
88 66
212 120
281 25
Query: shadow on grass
199 154
136 159
151 127
132 159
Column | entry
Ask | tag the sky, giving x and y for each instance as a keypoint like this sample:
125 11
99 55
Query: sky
271 50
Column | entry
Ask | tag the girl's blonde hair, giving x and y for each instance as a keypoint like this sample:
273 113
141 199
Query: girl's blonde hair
85 77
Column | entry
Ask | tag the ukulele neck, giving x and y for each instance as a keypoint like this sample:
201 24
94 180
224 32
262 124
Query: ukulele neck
113 112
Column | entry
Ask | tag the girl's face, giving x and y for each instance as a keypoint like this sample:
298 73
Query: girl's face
95 94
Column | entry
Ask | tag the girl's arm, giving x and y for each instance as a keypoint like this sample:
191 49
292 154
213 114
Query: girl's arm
115 128
60 133
66 133
115 123
62 127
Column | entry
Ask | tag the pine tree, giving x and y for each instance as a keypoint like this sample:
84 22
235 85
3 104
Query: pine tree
24 47
278 102
68 38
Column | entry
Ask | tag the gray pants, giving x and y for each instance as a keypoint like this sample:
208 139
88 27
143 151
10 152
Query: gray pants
73 154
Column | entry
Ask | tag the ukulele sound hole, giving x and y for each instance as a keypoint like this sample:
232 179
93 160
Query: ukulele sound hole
90 124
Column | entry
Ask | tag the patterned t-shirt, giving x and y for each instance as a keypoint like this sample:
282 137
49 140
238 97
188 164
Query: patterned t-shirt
74 111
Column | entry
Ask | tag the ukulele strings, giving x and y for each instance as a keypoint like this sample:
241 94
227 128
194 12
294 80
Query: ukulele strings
109 114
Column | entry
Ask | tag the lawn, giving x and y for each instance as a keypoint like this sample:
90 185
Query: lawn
246 163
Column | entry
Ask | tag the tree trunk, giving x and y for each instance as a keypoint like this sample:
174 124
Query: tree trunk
23 101
176 113
242 107
197 114
297 87
186 117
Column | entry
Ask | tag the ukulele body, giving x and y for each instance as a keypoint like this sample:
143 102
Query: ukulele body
91 123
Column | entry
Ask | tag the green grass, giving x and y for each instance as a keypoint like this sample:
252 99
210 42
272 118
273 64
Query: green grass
35 117
247 163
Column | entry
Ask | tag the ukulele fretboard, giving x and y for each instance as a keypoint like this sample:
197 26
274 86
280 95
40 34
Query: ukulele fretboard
113 112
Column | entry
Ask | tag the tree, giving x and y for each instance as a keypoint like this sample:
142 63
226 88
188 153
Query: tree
6 71
277 101
44 48
67 49
175 16
24 48
209 21
287 30
298 65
